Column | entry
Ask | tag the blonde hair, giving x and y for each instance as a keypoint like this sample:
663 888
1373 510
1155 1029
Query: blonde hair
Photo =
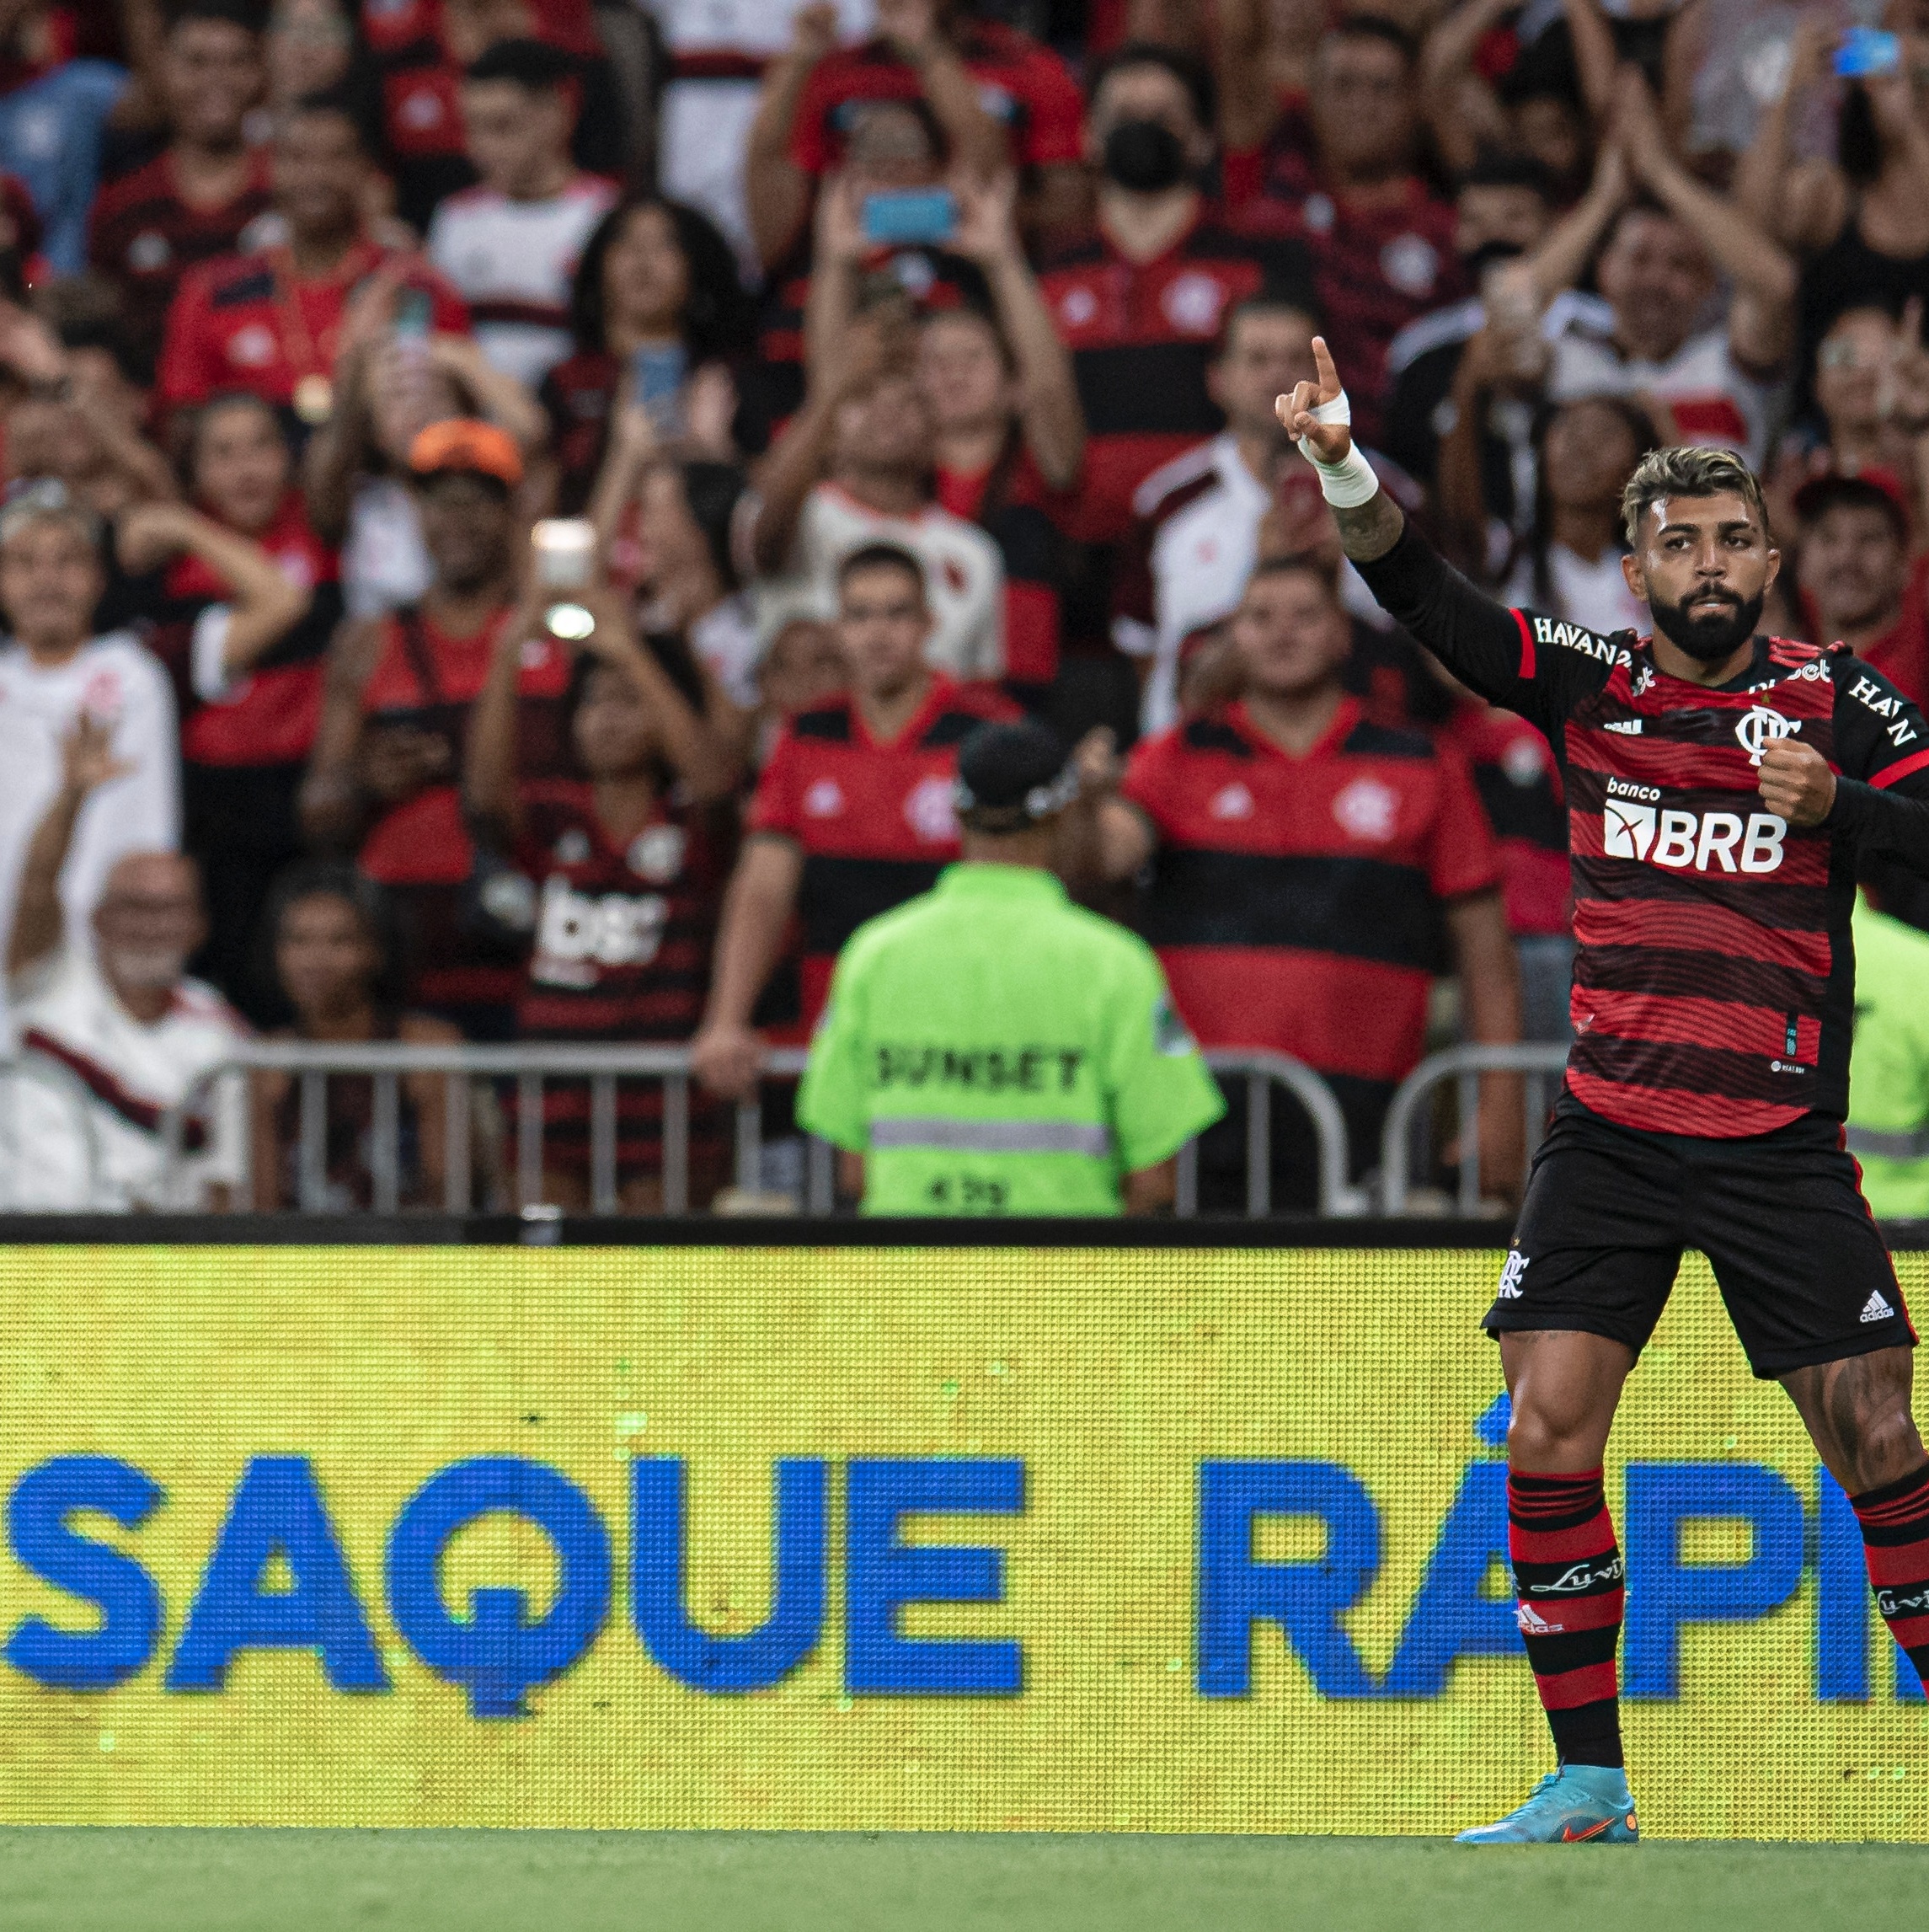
1686 471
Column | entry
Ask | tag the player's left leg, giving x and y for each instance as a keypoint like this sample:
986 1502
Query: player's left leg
1816 1304
1858 1416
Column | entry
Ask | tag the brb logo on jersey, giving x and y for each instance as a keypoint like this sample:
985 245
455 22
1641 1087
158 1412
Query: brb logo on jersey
1635 826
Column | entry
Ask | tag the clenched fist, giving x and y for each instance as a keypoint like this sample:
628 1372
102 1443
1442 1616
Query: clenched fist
1796 782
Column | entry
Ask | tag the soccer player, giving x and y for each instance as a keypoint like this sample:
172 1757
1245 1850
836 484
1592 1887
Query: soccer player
1720 787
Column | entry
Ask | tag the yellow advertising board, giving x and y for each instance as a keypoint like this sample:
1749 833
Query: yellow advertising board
1167 1540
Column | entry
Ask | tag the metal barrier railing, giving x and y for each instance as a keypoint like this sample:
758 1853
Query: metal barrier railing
387 1065
1536 1060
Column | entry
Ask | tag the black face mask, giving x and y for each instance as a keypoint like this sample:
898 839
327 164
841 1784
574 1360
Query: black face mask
1145 155
1708 640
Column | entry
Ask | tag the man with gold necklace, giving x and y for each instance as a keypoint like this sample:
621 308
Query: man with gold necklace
270 323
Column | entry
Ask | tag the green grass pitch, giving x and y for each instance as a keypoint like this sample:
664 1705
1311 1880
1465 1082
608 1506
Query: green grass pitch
185 1880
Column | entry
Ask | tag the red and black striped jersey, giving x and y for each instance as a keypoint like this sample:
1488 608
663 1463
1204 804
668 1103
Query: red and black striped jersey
876 822
1142 336
267 716
1007 502
427 679
1715 975
1296 903
143 237
1518 780
623 933
1382 259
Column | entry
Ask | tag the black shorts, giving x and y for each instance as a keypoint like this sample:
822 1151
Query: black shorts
1780 1216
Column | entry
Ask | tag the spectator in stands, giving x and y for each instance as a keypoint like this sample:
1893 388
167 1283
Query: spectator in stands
669 526
205 194
510 246
242 602
1503 210
132 1034
270 323
1265 55
337 955
1568 562
1661 238
56 670
385 777
999 388
868 424
1197 535
710 101
657 280
75 420
1869 388
1141 303
999 98
801 669
1344 177
893 164
1307 868
632 862
309 47
53 113
389 385
1520 787
1857 218
1858 582
853 812
1543 115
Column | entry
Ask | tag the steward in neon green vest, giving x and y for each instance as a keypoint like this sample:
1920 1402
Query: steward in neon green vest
1889 1069
991 1048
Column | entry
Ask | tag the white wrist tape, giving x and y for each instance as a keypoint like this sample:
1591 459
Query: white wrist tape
1339 410
1348 483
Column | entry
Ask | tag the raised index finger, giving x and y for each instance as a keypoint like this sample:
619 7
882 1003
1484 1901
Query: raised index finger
1328 376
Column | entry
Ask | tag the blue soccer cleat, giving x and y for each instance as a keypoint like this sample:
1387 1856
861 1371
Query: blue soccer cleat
1579 1803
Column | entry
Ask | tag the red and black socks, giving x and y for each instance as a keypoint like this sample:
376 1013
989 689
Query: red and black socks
1895 1539
1567 1582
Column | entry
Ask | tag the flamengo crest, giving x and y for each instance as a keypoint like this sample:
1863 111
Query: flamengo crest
1759 727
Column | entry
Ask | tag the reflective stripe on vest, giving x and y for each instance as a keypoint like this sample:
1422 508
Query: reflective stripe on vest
937 1134
1889 1146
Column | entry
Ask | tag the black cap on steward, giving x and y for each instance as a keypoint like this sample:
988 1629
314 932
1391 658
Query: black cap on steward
1013 776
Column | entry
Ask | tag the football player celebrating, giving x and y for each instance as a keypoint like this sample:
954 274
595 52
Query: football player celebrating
1721 787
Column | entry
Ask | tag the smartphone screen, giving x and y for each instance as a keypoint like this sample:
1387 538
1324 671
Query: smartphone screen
414 315
926 215
1866 52
656 376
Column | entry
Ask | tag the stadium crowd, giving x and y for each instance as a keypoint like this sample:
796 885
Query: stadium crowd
908 364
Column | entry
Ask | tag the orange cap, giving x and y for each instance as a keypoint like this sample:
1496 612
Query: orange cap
462 443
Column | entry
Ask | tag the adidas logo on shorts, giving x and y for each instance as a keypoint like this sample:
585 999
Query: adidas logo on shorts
1875 1309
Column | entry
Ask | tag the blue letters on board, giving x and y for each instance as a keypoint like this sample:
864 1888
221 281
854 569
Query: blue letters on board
1451 1617
759 1657
1305 1599
1664 1593
497 1654
130 1605
880 1573
277 1511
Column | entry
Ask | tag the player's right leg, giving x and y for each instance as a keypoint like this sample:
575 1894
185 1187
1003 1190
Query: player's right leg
1586 1282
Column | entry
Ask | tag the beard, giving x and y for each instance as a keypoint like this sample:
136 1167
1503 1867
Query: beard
144 969
1709 637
